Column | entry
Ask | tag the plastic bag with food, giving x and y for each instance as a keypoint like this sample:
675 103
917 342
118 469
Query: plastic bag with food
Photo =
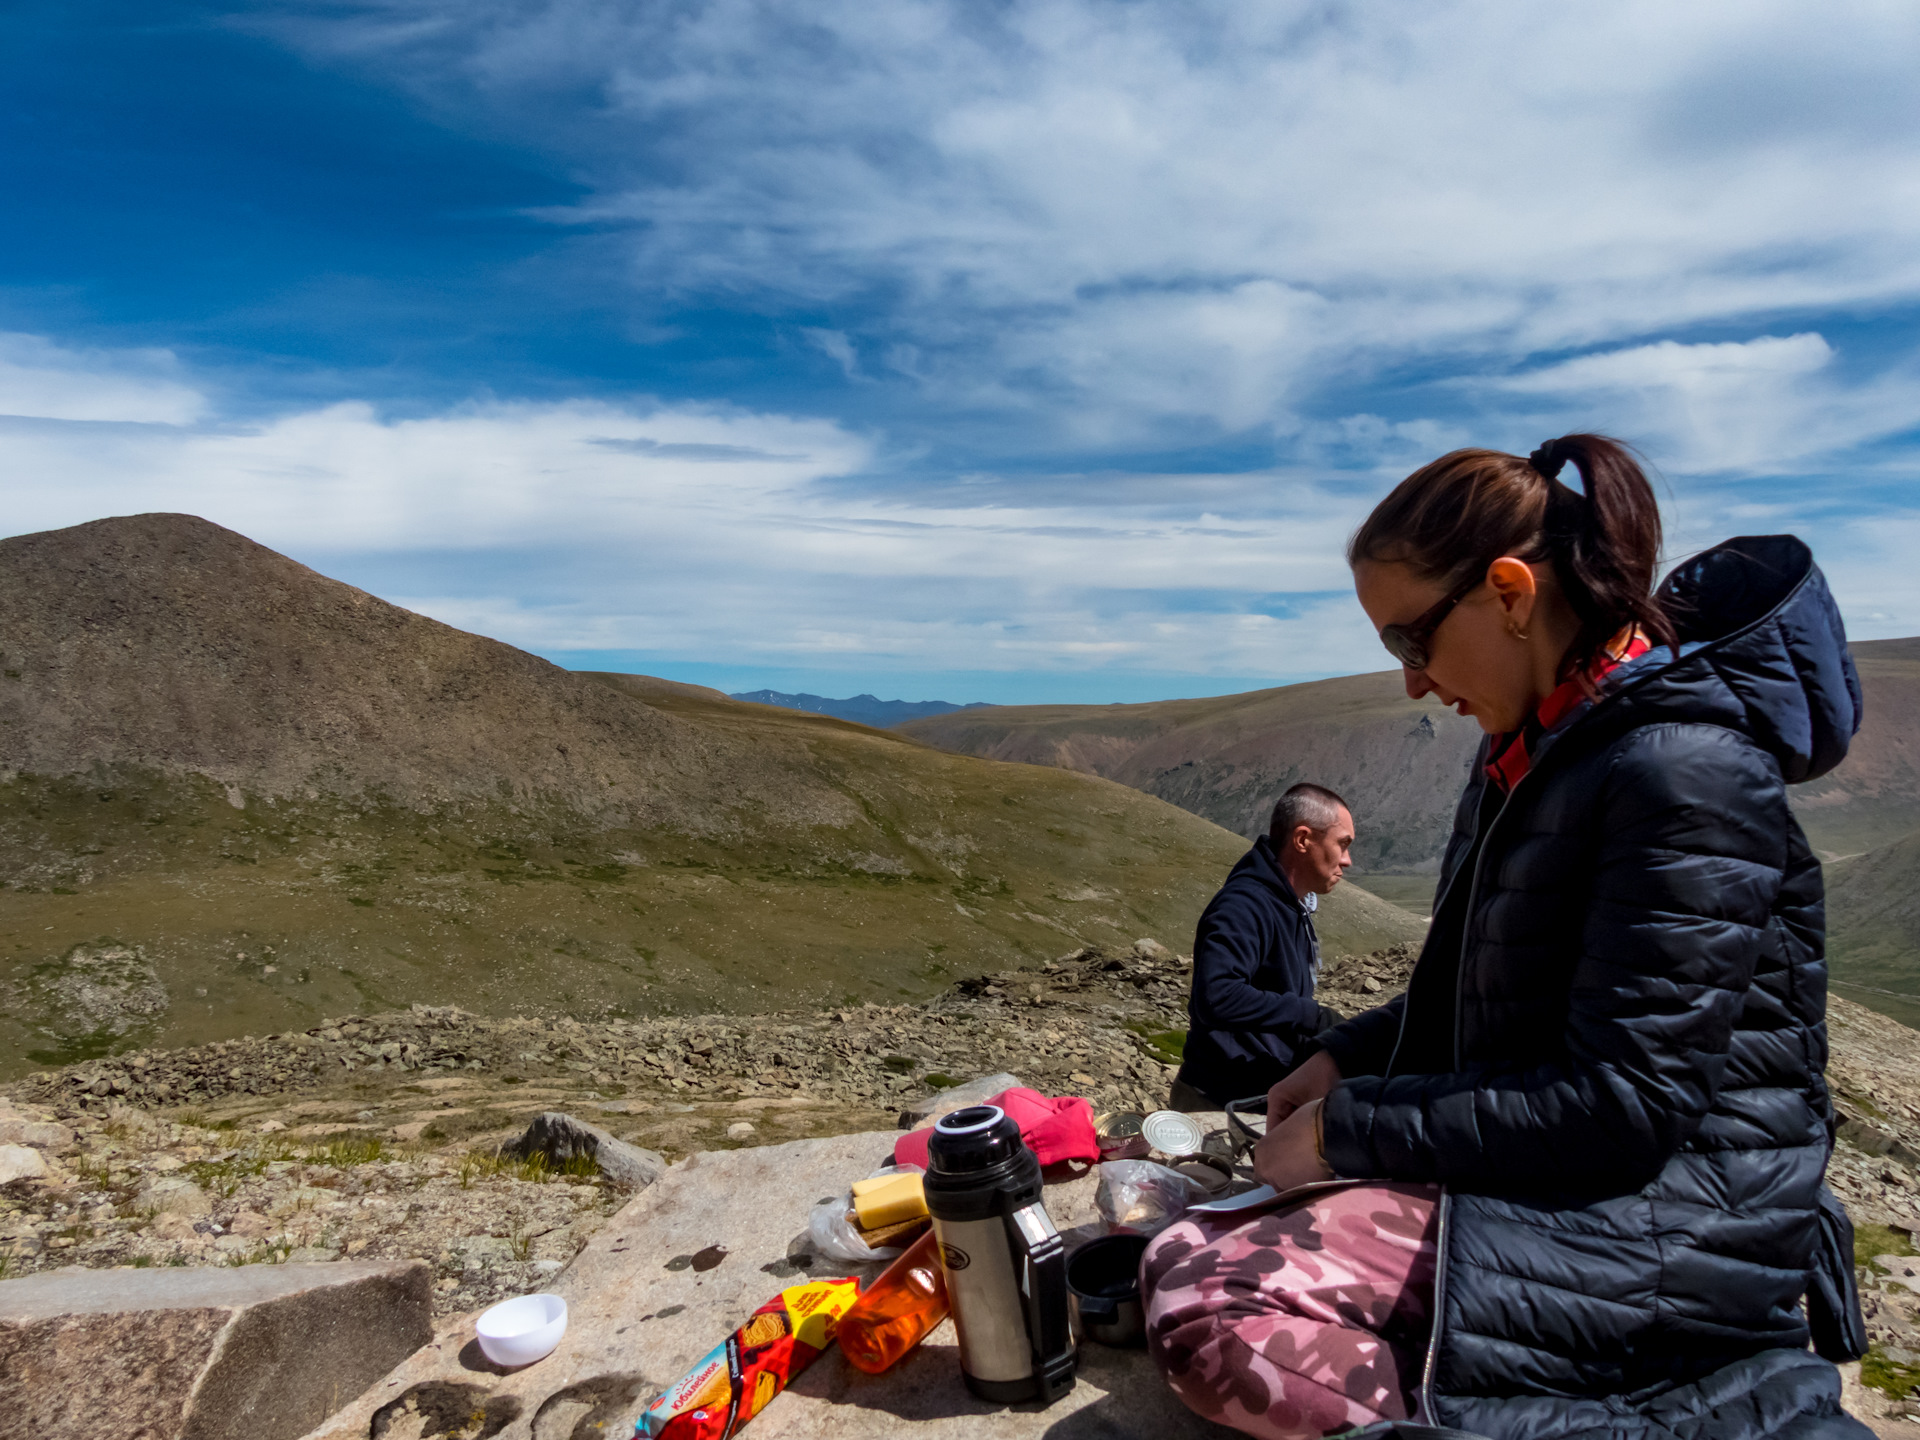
1142 1197
834 1229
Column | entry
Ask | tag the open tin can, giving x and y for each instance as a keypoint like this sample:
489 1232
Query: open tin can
1118 1134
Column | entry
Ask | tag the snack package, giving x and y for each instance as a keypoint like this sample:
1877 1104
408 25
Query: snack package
736 1379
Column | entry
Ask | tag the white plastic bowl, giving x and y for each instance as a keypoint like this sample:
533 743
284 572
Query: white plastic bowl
519 1332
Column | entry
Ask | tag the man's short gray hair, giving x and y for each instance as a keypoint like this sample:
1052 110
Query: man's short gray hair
1313 806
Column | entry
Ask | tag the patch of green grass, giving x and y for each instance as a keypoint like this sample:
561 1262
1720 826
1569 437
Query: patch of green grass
1872 1240
1166 1046
1888 1376
939 1081
141 1262
899 1064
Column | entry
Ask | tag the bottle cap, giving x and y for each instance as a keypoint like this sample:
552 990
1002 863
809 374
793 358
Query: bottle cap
976 1138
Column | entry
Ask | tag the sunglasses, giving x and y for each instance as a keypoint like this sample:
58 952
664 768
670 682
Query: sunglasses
1409 643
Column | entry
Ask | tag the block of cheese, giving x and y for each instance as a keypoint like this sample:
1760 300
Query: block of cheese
891 1200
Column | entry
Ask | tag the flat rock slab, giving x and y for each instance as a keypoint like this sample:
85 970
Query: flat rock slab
257 1352
669 1276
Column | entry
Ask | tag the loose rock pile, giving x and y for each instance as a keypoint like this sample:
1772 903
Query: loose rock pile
873 1054
381 1135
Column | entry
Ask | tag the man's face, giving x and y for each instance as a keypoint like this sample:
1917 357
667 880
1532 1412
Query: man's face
1323 857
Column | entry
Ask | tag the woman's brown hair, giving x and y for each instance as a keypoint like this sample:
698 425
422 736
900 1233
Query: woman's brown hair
1468 508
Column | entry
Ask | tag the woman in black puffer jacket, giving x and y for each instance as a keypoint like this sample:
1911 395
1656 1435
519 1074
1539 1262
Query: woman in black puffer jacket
1601 1098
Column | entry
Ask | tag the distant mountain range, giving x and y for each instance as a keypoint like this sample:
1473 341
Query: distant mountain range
861 709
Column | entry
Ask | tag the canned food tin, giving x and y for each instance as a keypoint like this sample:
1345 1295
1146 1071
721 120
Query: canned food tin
1172 1133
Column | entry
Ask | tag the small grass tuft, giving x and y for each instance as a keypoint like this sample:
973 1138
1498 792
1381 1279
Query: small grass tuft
346 1151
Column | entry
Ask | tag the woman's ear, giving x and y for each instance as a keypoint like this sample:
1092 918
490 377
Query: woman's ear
1515 588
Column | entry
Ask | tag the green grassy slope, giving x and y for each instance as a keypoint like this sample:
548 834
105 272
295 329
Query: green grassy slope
1873 928
264 918
236 796
1873 798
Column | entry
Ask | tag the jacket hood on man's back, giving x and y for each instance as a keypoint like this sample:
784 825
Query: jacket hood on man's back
1260 863
1764 652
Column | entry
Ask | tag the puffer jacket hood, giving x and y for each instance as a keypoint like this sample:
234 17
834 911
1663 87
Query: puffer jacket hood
1763 653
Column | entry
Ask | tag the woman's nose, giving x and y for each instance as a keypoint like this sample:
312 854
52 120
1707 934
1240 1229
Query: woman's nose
1417 683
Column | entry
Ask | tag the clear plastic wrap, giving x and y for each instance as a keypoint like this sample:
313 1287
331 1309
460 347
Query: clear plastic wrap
832 1233
1142 1197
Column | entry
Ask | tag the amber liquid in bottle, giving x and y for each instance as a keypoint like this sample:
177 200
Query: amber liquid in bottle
898 1309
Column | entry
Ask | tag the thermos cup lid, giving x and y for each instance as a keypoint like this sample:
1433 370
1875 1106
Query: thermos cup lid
978 1137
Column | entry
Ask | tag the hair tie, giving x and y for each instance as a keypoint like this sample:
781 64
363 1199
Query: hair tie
1549 459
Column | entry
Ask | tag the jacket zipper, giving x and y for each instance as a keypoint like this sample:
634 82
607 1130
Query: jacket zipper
1425 1408
1446 1197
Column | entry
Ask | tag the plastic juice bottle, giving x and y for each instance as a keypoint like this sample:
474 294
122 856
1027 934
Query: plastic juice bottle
897 1310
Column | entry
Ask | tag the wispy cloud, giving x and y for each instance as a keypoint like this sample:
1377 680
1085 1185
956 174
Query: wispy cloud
1053 335
1162 214
42 380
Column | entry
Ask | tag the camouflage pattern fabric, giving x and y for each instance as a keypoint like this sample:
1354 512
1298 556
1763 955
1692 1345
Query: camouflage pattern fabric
1304 1321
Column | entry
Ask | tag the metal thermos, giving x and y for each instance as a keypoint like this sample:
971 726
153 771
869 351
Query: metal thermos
1005 1264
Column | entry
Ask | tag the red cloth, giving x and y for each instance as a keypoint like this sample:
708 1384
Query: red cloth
1054 1130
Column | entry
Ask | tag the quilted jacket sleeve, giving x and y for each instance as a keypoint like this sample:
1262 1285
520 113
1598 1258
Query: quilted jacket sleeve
1695 834
1364 1044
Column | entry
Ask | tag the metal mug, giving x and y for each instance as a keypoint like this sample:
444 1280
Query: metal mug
1103 1286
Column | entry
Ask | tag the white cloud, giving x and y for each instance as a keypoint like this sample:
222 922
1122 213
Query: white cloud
714 533
41 380
1206 211
1759 406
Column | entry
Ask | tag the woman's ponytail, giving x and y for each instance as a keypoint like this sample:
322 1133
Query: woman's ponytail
1469 508
1603 540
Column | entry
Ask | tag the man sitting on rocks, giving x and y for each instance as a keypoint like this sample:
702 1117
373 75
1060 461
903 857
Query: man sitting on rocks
1255 955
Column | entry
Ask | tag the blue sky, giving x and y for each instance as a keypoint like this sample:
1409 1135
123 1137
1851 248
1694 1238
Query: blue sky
1014 351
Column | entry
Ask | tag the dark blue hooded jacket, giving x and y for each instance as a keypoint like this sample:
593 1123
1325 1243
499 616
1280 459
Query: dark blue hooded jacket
1255 956
1611 1052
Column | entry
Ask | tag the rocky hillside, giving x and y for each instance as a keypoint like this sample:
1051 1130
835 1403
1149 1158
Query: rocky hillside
236 796
1400 762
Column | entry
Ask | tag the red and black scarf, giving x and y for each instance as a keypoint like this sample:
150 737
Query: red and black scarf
1512 753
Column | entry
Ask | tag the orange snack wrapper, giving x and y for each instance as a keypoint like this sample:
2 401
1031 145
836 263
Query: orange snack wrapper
736 1379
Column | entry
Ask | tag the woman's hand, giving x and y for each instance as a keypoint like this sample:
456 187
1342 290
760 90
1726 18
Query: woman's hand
1289 1153
1306 1082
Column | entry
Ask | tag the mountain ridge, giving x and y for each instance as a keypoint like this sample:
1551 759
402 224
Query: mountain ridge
236 794
863 709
